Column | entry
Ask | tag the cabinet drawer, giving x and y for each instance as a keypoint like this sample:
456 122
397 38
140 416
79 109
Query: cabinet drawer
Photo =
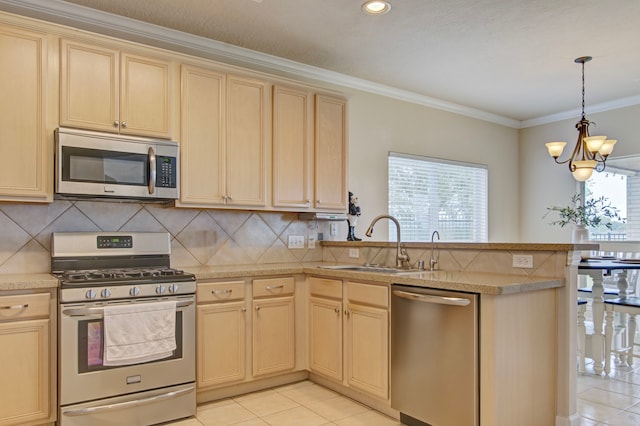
272 286
220 292
368 294
325 287
22 306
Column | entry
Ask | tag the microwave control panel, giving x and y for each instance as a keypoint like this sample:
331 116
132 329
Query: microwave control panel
165 172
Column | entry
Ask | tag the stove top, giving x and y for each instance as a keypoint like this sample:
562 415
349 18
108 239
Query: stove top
89 275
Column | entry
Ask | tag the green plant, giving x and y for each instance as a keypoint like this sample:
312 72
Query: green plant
590 214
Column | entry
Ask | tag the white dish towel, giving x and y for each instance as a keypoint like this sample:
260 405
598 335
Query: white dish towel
138 333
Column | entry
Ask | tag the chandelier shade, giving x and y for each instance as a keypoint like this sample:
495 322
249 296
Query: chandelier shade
590 152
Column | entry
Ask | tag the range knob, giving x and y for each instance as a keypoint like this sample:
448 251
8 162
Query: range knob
134 291
160 289
173 288
90 294
105 293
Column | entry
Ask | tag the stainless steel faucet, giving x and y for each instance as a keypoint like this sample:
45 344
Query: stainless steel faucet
434 259
402 258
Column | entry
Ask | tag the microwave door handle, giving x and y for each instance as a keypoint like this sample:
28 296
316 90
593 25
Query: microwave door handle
152 170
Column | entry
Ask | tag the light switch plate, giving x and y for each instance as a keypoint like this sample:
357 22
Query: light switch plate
312 242
296 241
523 261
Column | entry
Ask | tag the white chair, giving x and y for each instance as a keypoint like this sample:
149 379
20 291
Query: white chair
631 307
582 335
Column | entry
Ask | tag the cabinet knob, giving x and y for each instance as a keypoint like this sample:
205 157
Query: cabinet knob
116 123
318 201
337 311
124 124
346 312
230 198
244 309
257 308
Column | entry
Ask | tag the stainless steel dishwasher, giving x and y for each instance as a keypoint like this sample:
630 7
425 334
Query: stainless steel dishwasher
434 356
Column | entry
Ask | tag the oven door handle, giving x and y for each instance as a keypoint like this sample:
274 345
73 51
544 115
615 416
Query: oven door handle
85 312
128 404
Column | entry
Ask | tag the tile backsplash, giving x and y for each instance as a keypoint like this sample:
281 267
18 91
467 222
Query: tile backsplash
198 237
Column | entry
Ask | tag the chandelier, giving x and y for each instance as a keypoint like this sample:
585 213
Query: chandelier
590 152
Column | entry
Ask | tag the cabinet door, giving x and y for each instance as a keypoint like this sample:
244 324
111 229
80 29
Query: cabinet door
89 86
220 343
325 337
26 145
367 351
273 335
246 141
202 153
145 97
24 368
330 154
292 148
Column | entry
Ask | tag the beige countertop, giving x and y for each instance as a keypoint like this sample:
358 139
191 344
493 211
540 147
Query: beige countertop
474 282
27 281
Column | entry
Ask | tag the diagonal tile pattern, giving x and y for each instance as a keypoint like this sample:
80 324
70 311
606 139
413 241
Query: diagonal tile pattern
199 237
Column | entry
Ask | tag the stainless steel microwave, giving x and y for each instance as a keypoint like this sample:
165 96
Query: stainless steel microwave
94 164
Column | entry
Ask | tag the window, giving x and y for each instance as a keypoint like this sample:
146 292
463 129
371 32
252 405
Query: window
620 184
428 194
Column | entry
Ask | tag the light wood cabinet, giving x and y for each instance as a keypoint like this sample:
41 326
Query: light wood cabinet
349 334
25 360
108 90
367 349
309 150
224 139
27 86
330 183
292 147
273 326
325 337
221 334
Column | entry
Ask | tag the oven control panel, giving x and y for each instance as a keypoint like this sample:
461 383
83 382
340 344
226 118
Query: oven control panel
127 291
110 242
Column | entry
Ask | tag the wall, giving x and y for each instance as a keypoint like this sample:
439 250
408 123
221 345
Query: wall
378 125
198 237
544 183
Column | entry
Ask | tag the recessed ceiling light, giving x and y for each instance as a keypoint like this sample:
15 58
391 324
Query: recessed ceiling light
376 7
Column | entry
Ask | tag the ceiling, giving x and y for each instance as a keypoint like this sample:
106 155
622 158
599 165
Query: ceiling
514 59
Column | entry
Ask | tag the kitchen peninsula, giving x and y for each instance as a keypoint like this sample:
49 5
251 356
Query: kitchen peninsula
533 307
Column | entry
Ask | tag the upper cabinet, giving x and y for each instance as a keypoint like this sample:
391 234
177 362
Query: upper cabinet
309 151
292 148
27 85
108 90
330 154
224 139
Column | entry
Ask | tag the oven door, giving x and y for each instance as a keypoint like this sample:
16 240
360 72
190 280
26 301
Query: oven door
82 377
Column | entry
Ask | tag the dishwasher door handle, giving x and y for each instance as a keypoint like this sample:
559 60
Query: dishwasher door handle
441 300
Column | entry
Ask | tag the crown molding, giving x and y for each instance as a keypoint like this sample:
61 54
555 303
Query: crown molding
88 19
60 12
576 113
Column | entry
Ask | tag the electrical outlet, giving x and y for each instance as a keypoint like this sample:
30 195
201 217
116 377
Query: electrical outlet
296 241
354 252
312 242
523 261
333 229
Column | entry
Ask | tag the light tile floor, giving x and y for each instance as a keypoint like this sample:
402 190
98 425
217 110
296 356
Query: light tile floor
613 400
298 404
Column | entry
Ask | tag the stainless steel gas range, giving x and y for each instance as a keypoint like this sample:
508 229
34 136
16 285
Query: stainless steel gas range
119 295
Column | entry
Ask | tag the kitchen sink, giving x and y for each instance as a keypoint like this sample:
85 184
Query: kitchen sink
375 268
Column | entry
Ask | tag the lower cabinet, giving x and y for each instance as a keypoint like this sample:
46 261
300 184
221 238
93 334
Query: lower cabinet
349 334
229 338
273 326
221 333
26 359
